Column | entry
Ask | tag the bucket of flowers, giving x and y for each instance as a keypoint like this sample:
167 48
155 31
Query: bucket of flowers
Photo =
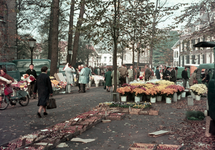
152 92
138 94
159 89
168 93
179 90
124 91
198 90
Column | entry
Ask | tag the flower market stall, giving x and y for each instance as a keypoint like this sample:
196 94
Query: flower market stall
153 91
58 86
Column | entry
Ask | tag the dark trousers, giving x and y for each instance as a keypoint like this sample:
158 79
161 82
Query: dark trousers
31 89
82 88
122 80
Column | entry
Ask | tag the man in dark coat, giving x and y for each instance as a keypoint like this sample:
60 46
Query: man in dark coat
184 77
44 87
31 71
172 75
147 73
157 73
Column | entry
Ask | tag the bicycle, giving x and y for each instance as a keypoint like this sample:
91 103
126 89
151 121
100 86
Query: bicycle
21 96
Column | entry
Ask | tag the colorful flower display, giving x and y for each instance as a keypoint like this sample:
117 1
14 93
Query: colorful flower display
124 90
179 88
138 91
165 82
160 88
168 92
199 89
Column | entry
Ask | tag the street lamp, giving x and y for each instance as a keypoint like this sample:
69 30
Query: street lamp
211 85
32 43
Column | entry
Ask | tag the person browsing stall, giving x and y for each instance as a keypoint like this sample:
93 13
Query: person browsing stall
32 72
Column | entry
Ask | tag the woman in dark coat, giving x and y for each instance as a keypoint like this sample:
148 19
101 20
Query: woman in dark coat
44 87
108 80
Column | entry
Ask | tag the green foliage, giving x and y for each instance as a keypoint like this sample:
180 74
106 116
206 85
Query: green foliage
195 115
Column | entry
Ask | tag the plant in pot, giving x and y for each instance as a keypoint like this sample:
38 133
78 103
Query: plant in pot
159 89
168 93
198 90
138 94
124 91
179 89
152 92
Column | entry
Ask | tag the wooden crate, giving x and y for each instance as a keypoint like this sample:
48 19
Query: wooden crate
153 112
144 112
142 146
134 111
168 146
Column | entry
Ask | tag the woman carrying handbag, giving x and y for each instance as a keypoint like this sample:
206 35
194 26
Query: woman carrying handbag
44 87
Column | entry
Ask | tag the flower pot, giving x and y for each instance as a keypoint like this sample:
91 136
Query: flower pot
183 94
153 99
198 97
168 100
137 99
123 98
179 97
159 98
175 97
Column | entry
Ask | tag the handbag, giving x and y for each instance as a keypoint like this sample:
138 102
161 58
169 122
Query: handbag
51 103
7 90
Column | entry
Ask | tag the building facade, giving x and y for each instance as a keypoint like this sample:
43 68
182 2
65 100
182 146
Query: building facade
197 32
8 49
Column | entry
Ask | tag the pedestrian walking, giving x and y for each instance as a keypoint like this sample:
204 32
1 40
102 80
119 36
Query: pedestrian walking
147 73
83 79
32 72
88 76
130 74
78 70
157 73
184 77
44 87
69 71
108 81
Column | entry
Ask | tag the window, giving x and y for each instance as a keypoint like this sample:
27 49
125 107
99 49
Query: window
105 59
110 59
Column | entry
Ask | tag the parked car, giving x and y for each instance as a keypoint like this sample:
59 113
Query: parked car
23 65
12 70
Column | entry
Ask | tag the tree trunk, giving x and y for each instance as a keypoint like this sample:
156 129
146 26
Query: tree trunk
115 38
138 58
153 34
54 56
50 31
69 50
77 33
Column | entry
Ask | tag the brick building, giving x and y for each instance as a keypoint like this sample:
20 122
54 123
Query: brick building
8 50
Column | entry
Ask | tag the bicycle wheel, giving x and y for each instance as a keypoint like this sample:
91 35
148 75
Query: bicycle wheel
24 101
3 104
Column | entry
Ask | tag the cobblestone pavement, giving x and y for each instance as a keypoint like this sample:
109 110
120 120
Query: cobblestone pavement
18 120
